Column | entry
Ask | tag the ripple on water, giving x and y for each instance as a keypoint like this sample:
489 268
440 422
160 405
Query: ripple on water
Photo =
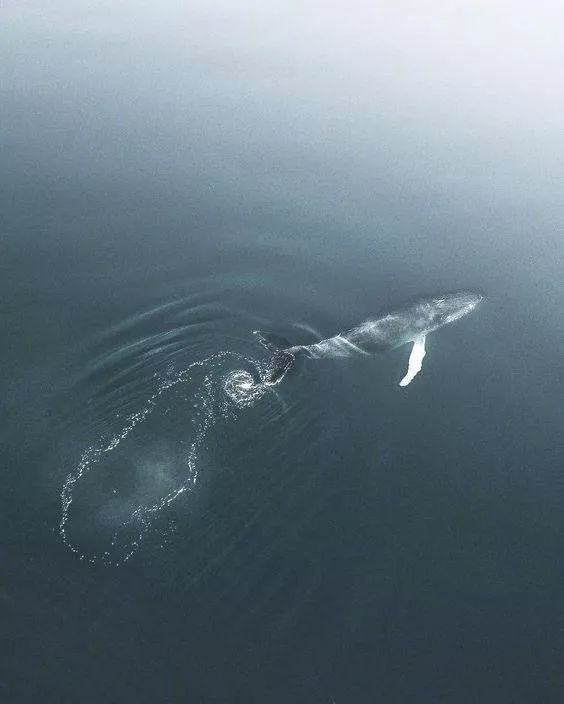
141 390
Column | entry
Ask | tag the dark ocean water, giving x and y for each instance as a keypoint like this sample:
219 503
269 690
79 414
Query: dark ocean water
176 176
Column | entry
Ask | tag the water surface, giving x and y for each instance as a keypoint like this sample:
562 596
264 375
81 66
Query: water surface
175 177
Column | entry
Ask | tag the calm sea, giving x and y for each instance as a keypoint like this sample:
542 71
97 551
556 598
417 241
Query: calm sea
176 175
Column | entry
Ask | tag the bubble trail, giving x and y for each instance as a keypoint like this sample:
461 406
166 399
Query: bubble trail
219 395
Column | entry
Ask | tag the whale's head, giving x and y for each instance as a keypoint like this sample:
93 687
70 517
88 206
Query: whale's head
450 307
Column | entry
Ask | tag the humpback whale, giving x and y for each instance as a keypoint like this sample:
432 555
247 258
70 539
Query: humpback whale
410 324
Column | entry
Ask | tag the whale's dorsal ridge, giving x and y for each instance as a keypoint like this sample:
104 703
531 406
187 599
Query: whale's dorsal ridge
270 341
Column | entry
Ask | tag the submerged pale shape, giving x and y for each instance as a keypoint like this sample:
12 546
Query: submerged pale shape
415 361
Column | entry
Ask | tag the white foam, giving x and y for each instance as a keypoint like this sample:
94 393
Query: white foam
242 389
210 403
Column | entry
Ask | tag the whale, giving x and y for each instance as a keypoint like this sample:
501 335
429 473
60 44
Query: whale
408 325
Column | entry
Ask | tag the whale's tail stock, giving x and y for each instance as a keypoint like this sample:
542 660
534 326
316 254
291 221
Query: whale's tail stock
282 359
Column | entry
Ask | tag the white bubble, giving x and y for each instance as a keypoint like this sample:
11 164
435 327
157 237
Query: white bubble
242 389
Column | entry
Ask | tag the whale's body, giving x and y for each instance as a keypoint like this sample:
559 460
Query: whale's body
406 325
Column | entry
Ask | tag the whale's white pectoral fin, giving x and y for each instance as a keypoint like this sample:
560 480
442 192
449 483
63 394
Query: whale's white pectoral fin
415 360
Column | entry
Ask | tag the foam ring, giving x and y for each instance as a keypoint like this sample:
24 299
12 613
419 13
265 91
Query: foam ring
241 388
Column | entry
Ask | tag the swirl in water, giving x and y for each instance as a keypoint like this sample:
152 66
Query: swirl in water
242 389
219 395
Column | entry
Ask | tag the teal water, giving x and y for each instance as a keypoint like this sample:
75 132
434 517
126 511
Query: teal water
175 177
